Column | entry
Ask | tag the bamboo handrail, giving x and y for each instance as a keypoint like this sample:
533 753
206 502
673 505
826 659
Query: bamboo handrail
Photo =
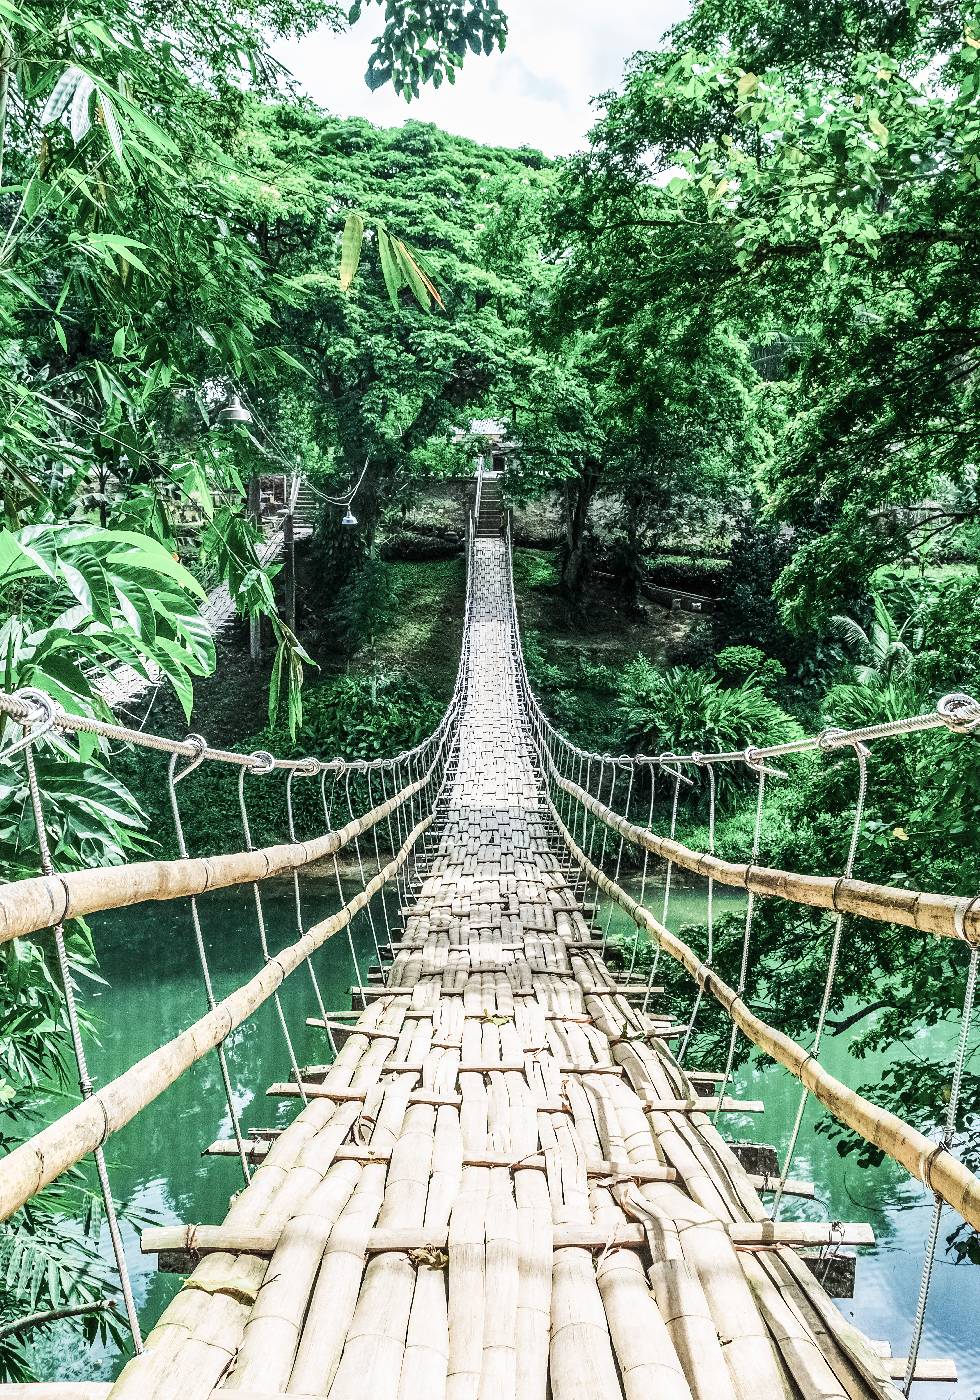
924 1159
49 1153
27 906
944 915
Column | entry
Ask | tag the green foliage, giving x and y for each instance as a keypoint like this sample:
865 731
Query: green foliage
427 40
739 664
681 710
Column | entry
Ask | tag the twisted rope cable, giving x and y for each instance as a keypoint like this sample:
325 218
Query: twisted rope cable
173 778
861 757
747 930
262 767
949 1133
78 1047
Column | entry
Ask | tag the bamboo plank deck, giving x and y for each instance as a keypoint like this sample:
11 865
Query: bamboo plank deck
612 1250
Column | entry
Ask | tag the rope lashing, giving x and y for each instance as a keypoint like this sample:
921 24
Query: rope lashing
173 778
605 758
861 755
710 912
262 765
41 717
752 760
949 1134
312 770
678 779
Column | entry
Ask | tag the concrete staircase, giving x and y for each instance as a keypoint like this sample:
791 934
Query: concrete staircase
490 525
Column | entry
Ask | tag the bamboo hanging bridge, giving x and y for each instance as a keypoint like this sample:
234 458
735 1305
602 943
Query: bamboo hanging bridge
503 1181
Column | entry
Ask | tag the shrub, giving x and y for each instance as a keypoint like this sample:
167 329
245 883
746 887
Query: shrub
682 709
738 664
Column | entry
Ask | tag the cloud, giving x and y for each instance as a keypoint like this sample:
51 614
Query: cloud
560 54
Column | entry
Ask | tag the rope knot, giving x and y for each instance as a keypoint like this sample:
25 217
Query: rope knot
262 761
42 713
959 712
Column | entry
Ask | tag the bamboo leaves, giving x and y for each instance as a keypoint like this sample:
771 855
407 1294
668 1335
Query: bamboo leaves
400 266
350 255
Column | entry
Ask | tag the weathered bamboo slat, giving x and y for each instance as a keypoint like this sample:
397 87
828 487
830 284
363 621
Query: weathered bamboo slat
44 1157
211 1239
928 1161
941 914
27 906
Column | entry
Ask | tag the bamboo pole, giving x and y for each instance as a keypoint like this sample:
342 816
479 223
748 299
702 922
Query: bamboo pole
27 906
944 915
43 1158
928 1161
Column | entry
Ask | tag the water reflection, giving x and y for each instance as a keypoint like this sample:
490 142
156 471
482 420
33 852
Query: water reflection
148 958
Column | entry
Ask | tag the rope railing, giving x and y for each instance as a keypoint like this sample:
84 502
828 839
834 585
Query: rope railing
566 773
410 786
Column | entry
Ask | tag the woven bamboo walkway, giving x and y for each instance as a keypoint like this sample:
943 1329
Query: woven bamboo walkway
487 1195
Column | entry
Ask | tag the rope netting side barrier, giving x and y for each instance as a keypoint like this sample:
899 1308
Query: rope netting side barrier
375 812
579 789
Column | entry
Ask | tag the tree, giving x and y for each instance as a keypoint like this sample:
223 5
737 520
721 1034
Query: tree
789 185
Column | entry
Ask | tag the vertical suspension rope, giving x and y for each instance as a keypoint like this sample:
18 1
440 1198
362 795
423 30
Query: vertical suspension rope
377 857
747 930
74 1026
609 803
360 866
949 1133
709 921
619 856
328 819
173 778
643 877
861 754
262 763
678 779
310 771
598 797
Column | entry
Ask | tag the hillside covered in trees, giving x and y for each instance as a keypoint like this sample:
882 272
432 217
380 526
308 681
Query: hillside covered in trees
731 345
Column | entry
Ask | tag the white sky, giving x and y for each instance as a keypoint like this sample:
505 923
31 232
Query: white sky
560 53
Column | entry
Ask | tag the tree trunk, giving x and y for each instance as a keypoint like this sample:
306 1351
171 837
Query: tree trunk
578 496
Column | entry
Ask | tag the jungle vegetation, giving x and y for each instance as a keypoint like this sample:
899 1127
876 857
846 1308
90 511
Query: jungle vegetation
735 338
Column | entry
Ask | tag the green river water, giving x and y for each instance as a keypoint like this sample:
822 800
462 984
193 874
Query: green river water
148 959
